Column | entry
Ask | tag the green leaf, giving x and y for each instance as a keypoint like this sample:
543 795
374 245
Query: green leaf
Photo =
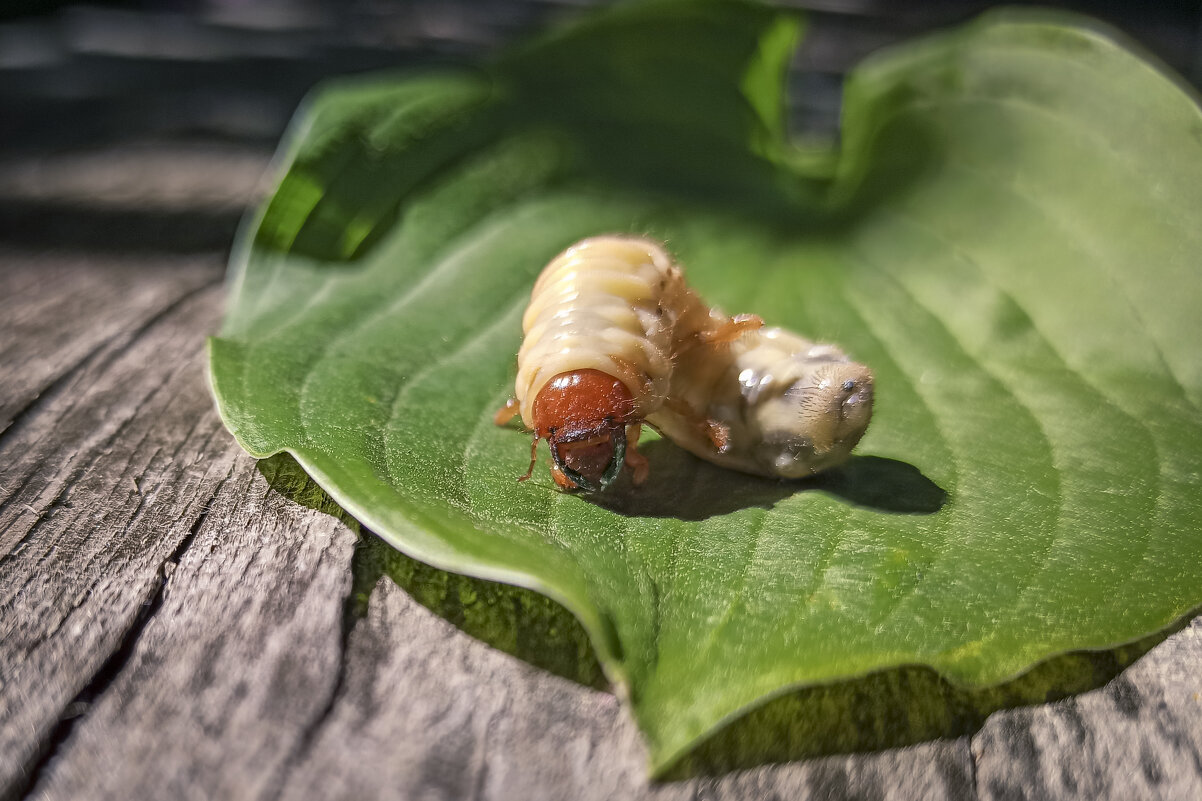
1008 235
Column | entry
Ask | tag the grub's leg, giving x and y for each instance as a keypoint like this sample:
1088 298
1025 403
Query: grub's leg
715 432
533 458
637 462
732 329
507 412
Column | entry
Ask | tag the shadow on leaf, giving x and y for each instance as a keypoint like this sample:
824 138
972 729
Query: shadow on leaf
684 487
886 485
888 709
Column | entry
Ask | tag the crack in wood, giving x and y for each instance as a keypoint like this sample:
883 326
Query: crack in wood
100 356
973 777
41 516
98 452
352 613
486 739
74 712
53 388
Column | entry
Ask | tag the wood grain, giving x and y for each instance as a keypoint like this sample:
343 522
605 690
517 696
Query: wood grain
102 478
1139 737
236 666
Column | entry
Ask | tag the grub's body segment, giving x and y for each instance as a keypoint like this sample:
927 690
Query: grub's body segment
789 407
611 304
596 357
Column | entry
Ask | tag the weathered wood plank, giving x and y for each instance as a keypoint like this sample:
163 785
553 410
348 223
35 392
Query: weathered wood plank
422 706
235 667
58 309
147 176
103 482
1140 737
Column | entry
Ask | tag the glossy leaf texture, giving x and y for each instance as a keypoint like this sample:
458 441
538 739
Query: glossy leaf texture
1007 233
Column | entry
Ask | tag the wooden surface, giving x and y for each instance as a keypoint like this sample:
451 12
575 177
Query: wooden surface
171 626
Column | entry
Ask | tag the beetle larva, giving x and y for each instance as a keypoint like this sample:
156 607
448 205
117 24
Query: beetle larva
604 320
790 408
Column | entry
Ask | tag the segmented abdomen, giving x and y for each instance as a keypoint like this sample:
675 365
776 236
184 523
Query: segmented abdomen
609 303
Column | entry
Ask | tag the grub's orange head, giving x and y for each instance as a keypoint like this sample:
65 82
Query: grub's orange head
583 416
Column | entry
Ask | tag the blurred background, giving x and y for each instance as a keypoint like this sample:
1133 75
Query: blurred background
147 124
